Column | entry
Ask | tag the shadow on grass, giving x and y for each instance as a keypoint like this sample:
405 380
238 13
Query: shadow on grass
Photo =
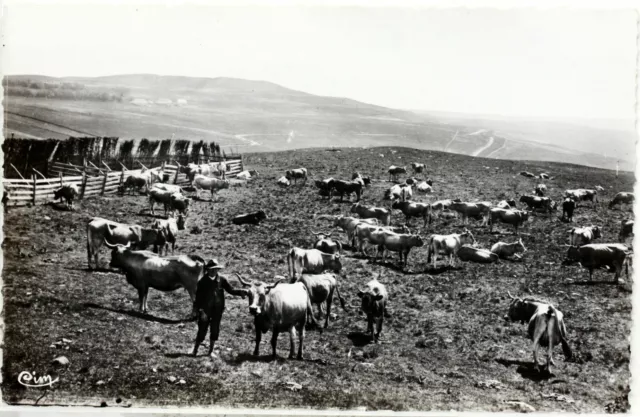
58 206
360 339
146 213
175 355
441 269
398 268
527 370
139 315
241 358
595 282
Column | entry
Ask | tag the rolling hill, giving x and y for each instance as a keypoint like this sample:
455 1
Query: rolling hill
260 116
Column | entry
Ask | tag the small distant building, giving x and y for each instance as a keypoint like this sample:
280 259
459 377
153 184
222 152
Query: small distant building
181 102
140 102
164 101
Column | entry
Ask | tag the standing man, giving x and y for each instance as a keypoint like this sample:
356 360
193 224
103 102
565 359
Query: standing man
209 304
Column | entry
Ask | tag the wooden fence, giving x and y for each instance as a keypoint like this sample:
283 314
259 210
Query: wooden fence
91 181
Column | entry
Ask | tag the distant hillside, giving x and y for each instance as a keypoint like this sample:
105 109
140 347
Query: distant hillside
262 116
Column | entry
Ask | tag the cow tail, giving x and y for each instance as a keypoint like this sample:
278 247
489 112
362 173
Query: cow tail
344 307
566 349
311 319
290 263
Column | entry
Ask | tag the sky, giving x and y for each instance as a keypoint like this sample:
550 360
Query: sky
518 62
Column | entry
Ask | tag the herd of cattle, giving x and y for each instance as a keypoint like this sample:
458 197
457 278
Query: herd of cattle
287 306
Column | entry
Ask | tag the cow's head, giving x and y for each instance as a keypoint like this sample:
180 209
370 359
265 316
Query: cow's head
370 297
573 254
117 253
288 174
466 234
597 232
512 202
261 215
58 193
354 207
257 293
518 310
523 198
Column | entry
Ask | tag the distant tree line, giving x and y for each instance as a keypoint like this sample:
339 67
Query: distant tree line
25 87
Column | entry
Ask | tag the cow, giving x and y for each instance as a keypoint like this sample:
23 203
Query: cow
449 245
506 205
597 255
382 214
598 188
374 304
412 181
68 192
201 182
626 230
582 194
568 206
394 171
179 203
157 195
283 182
544 176
99 229
249 218
363 233
468 253
424 188
326 245
475 210
422 210
279 308
170 228
527 174
545 327
321 288
341 188
394 242
244 175
402 192
169 187
311 261
135 181
417 168
540 190
296 173
365 180
507 250
324 184
348 225
146 270
514 217
219 169
580 236
533 202
440 206
622 198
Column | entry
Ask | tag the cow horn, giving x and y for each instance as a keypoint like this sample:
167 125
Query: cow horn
243 282
272 286
511 296
109 245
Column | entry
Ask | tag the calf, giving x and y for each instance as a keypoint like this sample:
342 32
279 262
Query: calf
249 218
449 245
622 198
470 254
545 326
580 236
516 218
321 288
68 192
294 174
507 250
374 303
597 255
568 206
382 214
421 210
312 261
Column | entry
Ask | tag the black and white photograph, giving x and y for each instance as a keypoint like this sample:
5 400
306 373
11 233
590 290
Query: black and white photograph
296 207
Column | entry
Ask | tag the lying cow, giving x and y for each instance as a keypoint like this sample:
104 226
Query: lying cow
626 230
169 187
382 214
545 327
326 245
474 210
311 261
283 182
421 210
341 188
374 303
448 245
507 250
68 192
145 270
294 174
598 255
468 253
544 176
249 218
580 236
424 188
622 198
527 174
517 218
417 168
279 308
394 171
170 228
321 288
540 190
568 206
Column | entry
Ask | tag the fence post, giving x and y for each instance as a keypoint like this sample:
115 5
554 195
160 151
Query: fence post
104 183
122 176
60 178
84 183
175 179
33 178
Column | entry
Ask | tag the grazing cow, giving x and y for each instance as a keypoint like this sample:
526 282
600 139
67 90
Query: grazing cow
326 245
99 229
449 245
582 194
159 196
507 250
201 182
409 210
597 255
568 206
474 210
626 230
145 270
321 288
374 303
527 174
545 327
470 254
68 192
382 214
209 304
622 198
341 188
279 308
179 203
417 168
514 217
402 192
533 202
544 176
394 171
250 218
170 228
311 261
283 182
394 242
295 174
348 225
580 236
135 181
363 233
540 190
425 188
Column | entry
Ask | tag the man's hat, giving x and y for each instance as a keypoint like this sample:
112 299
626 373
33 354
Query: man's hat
213 264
